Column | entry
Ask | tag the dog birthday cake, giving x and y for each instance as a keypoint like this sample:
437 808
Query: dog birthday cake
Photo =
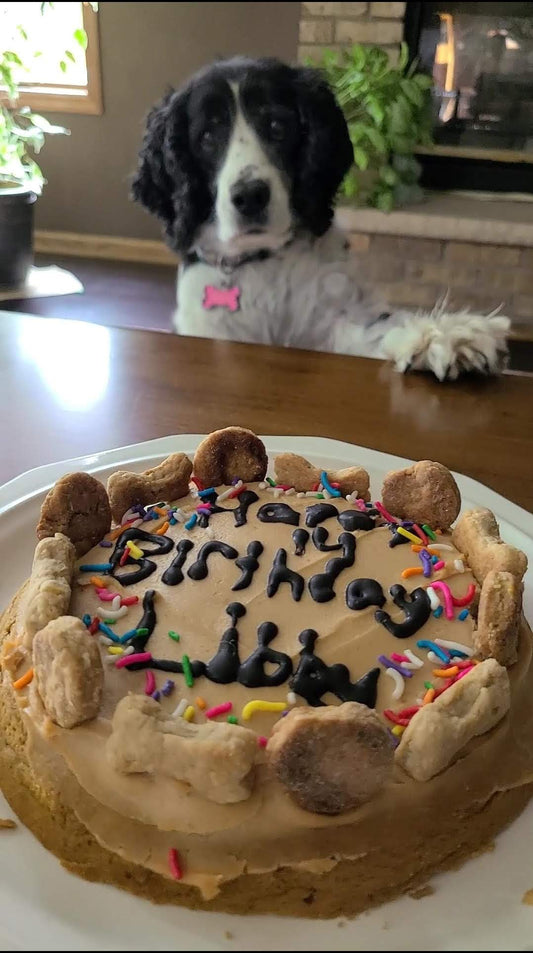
254 685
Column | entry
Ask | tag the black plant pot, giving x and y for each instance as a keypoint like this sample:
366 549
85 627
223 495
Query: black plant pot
16 234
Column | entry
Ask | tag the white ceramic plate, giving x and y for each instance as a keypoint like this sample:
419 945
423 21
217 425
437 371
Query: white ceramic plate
44 908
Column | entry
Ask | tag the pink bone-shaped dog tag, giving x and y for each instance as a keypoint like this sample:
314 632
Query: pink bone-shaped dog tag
221 298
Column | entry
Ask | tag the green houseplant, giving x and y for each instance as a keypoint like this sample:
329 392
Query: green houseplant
22 135
388 111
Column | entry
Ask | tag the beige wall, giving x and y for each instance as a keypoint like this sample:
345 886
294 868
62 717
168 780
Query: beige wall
144 47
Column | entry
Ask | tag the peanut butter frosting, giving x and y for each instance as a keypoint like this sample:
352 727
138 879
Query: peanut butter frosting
286 562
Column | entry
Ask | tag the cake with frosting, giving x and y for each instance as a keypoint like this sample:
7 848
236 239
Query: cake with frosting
252 685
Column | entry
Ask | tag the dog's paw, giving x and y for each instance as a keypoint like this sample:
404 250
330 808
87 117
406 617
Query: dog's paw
448 344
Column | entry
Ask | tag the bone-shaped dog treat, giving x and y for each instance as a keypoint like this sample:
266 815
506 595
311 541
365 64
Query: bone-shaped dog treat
221 298
333 758
425 493
498 618
296 471
233 452
48 593
470 707
215 758
477 535
168 481
78 507
68 671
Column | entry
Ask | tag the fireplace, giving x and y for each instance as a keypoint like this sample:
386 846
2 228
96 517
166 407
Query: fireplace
481 58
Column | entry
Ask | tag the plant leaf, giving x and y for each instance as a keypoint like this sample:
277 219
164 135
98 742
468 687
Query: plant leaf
360 158
62 66
81 37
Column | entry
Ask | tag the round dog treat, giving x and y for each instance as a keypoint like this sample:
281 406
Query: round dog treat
333 758
78 507
228 454
425 493
168 481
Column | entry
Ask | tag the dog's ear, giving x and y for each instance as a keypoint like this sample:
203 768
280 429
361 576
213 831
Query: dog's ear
168 182
326 152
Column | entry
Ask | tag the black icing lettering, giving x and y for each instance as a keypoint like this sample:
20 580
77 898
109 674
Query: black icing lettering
352 520
300 538
313 678
319 512
281 573
248 565
144 567
278 513
148 621
224 667
417 609
321 585
319 537
199 570
240 513
173 574
252 672
361 593
168 665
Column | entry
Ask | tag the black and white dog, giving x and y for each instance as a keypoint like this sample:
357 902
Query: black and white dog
242 166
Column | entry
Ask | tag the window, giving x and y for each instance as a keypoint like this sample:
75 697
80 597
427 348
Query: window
59 75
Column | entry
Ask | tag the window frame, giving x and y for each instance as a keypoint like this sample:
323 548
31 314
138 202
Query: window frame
64 97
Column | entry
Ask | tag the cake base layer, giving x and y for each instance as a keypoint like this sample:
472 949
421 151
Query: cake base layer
349 888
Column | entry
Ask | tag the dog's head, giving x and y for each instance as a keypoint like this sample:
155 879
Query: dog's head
245 154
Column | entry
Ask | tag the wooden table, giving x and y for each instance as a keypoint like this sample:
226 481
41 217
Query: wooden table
70 388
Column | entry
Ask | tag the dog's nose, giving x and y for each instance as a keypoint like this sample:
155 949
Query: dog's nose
250 198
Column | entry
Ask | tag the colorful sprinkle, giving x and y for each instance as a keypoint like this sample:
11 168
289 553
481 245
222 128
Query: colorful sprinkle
232 720
95 567
86 619
191 521
105 543
262 741
327 485
425 559
105 595
392 716
398 730
168 687
149 683
174 635
132 659
446 672
115 650
174 864
98 581
455 647
439 651
463 615
387 516
129 600
414 660
420 534
399 682
464 672
219 710
467 598
438 612
411 570
428 531
180 708
258 705
408 535
23 680
93 628
398 658
188 714
108 632
200 703
429 696
398 668
135 551
187 671
433 598
291 698
448 601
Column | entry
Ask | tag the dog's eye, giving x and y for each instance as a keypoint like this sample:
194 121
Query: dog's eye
208 139
276 129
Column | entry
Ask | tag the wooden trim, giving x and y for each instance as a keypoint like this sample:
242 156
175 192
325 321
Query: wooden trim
104 246
470 152
73 99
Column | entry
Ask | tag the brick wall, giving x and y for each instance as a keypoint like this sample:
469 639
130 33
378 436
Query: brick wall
334 25
415 272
